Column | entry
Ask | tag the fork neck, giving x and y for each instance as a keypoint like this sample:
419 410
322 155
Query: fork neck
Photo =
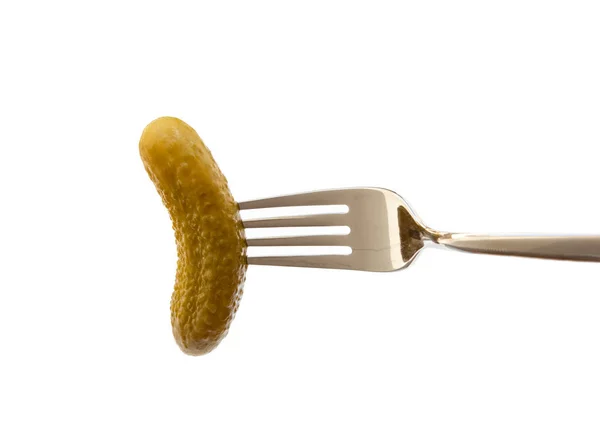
557 247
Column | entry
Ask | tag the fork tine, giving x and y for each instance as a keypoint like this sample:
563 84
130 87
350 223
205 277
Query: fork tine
330 240
316 261
323 197
315 220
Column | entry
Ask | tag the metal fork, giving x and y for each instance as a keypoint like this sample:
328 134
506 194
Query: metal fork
385 235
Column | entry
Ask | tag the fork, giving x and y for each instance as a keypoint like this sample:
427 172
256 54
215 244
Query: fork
385 235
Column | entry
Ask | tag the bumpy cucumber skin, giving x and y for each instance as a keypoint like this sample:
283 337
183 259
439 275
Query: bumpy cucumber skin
211 245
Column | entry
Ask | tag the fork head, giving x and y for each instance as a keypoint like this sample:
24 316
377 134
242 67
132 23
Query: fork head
384 234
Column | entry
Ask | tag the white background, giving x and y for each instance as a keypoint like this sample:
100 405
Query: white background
483 115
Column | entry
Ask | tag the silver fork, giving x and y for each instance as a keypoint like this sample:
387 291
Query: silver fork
385 235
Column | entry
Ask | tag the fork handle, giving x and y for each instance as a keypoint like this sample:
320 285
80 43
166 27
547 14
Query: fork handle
580 248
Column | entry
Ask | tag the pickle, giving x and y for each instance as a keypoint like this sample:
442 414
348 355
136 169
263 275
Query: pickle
211 245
